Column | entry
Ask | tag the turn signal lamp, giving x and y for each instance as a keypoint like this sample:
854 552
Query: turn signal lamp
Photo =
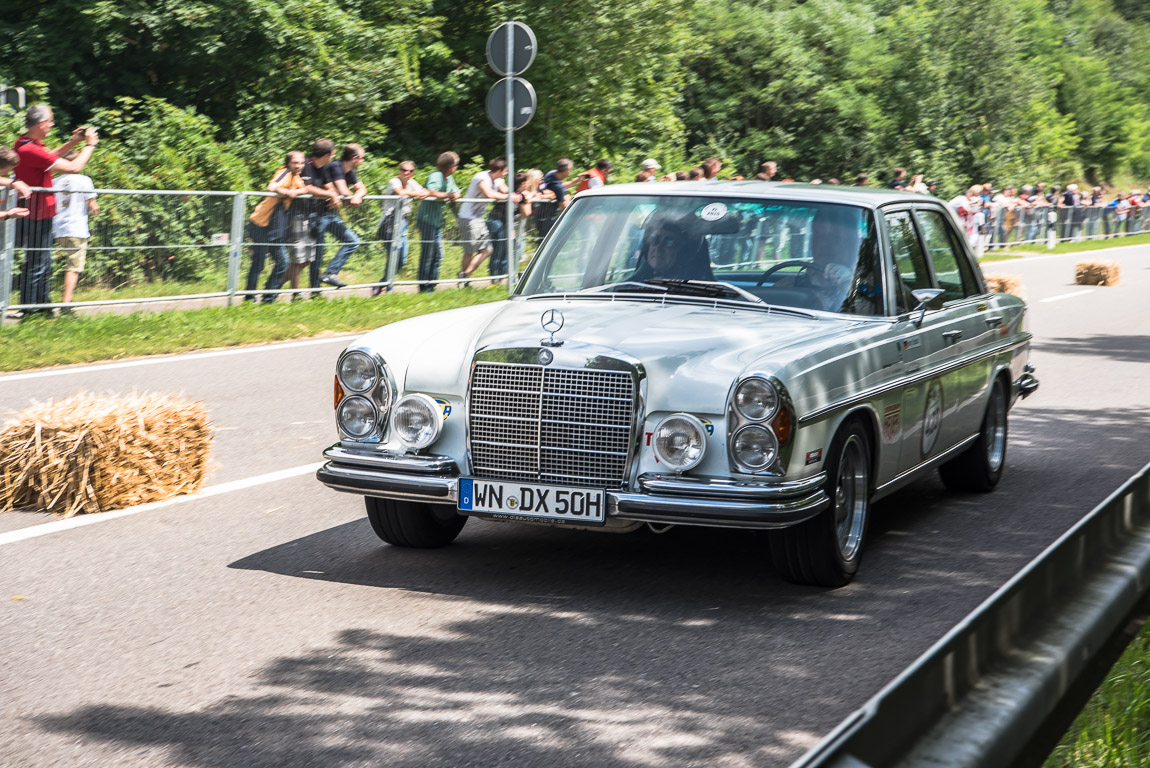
338 393
782 426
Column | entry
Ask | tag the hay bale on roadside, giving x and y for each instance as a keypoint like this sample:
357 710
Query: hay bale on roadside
89 453
1096 272
1000 282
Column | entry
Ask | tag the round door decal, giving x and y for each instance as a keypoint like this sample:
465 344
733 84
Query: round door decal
931 417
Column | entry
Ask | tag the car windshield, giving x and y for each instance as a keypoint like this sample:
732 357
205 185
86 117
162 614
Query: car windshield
803 255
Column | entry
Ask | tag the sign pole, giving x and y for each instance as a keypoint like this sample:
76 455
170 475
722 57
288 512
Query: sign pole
509 223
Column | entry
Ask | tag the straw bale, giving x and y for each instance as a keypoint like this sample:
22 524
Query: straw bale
91 453
1096 272
1001 282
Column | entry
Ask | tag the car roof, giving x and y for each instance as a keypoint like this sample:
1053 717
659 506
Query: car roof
779 190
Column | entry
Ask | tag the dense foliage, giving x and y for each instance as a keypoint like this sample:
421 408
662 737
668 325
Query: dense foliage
207 93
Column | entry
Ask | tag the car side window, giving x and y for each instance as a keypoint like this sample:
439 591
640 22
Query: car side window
951 267
909 261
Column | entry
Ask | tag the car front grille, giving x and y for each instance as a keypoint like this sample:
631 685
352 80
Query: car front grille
534 423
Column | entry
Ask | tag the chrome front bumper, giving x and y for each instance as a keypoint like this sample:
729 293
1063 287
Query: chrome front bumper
664 499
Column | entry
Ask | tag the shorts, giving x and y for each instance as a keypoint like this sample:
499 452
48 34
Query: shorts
301 243
475 236
75 250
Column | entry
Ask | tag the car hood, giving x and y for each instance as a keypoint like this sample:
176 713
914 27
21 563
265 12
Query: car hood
691 351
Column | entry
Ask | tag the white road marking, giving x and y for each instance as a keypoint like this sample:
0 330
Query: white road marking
79 521
173 358
1060 297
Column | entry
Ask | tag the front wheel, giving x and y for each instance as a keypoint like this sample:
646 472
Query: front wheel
826 550
979 467
413 524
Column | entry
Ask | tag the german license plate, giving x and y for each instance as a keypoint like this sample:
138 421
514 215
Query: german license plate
525 501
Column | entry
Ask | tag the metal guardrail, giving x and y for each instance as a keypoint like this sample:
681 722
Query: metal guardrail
151 246
1002 687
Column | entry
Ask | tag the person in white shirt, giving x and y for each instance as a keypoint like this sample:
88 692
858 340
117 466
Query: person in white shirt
76 196
917 185
473 230
967 207
405 187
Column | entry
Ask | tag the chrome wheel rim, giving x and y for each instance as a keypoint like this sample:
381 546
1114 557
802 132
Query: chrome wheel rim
996 429
851 497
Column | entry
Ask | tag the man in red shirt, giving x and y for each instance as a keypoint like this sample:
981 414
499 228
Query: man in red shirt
37 163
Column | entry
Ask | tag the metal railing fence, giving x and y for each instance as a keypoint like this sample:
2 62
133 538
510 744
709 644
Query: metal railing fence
998 226
171 245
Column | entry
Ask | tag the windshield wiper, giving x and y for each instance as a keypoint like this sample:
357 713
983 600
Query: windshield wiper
704 288
715 290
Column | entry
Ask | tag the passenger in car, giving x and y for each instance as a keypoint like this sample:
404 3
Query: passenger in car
672 249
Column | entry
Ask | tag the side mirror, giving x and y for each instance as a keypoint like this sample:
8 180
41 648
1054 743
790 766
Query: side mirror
927 298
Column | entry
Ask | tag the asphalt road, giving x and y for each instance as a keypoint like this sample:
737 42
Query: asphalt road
266 625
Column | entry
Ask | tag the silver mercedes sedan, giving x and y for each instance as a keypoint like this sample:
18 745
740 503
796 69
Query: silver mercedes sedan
736 354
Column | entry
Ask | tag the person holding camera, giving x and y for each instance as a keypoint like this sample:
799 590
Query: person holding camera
35 169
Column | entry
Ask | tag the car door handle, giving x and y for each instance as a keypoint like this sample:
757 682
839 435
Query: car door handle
993 322
952 336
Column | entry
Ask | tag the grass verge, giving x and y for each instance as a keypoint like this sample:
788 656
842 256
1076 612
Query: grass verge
42 343
1112 731
1085 245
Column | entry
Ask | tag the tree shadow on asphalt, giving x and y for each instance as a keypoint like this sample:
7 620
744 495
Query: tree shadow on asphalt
587 649
1125 349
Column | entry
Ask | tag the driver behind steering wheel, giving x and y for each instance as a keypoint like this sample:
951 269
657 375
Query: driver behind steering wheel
835 245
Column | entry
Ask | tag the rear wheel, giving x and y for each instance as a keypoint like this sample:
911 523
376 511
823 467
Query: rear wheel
413 524
826 550
979 467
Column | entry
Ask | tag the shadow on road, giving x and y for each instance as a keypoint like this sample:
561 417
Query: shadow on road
533 647
1125 349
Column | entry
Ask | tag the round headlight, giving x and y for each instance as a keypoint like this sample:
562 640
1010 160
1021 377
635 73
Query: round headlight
756 400
358 372
680 441
755 447
416 420
357 417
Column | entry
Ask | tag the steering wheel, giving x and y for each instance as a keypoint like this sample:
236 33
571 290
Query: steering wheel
801 264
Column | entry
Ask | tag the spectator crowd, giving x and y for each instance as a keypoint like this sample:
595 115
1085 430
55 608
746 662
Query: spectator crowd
291 227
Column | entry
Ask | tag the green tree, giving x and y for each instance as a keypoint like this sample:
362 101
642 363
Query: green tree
786 81
303 67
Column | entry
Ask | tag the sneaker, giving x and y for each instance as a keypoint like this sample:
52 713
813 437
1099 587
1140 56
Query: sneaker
376 290
332 280
67 312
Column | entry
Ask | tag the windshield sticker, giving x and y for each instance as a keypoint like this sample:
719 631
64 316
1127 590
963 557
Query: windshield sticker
713 212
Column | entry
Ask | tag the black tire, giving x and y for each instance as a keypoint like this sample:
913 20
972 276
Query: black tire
826 550
979 468
413 524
